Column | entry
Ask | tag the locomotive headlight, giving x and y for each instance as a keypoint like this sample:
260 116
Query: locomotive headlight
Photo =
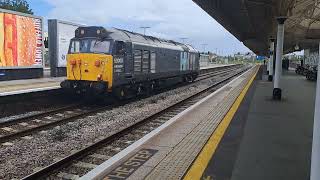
73 62
82 31
99 77
98 31
97 63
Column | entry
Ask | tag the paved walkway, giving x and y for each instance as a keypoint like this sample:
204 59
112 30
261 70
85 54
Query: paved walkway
29 85
277 135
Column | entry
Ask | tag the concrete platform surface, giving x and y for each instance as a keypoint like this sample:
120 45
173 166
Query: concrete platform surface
215 66
168 152
269 139
29 85
278 136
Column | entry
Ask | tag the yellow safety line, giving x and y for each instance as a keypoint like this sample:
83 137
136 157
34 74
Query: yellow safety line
200 164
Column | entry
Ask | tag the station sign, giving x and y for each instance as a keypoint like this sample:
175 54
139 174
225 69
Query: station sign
21 40
261 58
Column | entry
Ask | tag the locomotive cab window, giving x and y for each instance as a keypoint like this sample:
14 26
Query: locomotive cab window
98 46
120 48
89 46
74 46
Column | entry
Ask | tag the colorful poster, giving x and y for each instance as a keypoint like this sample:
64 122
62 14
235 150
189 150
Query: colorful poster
20 41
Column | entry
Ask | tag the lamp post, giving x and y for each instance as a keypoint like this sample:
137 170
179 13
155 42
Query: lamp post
144 29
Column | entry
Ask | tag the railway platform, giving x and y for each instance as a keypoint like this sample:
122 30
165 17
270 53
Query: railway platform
16 87
238 132
168 152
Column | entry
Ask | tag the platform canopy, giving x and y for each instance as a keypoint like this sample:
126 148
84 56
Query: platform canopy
253 22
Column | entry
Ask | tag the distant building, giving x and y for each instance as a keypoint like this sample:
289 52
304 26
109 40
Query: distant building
204 60
249 56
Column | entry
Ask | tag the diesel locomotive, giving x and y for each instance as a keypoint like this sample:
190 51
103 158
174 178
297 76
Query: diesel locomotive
125 63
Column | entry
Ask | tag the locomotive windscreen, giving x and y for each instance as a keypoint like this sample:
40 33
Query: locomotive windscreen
90 46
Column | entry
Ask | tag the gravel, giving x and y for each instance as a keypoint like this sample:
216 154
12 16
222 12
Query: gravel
24 156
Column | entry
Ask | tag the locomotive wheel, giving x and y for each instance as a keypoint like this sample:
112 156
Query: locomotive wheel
139 90
121 93
184 79
151 88
190 79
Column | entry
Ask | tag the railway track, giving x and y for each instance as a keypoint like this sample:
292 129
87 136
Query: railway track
79 163
26 126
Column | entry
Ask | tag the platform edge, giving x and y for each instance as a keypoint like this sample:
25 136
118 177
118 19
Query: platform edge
201 162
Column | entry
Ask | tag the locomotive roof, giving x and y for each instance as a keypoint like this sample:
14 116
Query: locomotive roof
136 38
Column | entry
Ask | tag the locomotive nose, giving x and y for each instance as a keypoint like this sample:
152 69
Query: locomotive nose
91 68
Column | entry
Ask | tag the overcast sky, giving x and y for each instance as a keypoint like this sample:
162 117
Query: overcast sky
171 19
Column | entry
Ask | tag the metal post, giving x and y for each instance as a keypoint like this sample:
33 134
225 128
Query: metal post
144 29
270 77
268 66
315 157
278 70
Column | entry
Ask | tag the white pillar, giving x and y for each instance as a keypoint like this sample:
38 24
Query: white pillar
270 77
278 71
315 157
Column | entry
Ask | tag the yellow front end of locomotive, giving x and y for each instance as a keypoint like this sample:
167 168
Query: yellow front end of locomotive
90 67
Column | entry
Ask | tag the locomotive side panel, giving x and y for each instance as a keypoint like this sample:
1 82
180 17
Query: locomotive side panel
168 61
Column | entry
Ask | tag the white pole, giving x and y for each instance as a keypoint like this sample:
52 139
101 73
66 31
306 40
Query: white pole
315 157
278 70
270 77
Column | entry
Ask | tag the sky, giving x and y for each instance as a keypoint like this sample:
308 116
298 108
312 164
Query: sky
170 19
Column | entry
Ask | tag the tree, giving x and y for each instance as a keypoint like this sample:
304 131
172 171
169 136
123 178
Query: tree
16 5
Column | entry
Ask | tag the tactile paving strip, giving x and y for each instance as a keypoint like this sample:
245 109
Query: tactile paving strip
177 162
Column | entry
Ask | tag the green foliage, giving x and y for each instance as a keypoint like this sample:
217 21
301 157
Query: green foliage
16 5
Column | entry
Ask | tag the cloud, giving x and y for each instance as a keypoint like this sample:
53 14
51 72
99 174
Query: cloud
171 19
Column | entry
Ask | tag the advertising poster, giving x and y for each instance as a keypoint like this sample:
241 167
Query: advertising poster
20 41
65 34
